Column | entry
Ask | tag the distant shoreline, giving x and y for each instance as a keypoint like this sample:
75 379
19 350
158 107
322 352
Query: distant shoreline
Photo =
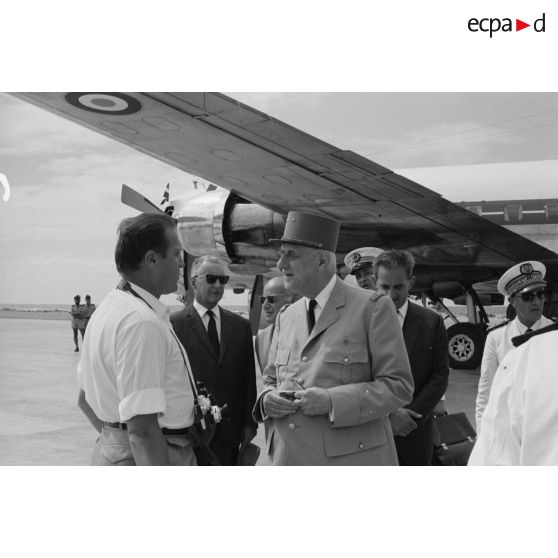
64 315
35 315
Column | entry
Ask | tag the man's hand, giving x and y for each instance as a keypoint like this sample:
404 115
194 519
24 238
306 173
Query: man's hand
248 434
402 422
440 408
313 401
276 406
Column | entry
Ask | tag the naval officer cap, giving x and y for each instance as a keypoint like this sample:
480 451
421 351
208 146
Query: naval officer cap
522 278
308 229
361 257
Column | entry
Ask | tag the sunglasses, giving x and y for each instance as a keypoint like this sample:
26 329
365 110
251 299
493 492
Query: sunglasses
271 298
528 297
223 279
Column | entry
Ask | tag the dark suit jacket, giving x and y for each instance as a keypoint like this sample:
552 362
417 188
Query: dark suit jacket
229 376
426 341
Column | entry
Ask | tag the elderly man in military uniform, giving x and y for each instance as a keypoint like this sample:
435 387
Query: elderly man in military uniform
524 285
361 264
337 364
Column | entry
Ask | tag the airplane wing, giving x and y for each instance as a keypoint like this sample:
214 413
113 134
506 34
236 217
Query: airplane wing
281 168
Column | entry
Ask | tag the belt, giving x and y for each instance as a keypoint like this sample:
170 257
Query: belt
165 431
176 431
119 425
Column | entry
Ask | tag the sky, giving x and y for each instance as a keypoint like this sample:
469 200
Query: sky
58 229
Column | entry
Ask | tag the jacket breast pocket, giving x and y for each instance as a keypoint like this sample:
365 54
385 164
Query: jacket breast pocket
281 362
350 359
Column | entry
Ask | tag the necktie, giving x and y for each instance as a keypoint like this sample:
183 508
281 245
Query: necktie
311 316
212 332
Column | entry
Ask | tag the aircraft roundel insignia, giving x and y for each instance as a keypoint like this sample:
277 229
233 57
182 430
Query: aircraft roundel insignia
526 268
356 257
104 103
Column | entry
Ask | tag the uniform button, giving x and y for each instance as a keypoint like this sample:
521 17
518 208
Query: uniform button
361 446
346 359
292 426
304 359
371 412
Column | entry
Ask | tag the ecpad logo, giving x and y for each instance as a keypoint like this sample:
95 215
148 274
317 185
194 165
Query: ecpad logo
492 25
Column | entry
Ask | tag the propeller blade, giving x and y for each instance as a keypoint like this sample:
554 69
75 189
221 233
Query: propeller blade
255 304
137 201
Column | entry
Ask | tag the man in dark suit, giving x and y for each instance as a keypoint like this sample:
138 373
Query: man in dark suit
427 346
219 346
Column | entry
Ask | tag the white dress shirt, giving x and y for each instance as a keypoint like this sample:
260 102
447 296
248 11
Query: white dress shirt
131 363
322 298
402 313
202 311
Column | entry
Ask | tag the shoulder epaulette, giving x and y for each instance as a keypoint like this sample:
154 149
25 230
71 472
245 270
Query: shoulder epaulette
520 339
497 326
376 295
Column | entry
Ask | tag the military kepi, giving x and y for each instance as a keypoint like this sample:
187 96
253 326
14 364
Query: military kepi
361 257
522 278
311 230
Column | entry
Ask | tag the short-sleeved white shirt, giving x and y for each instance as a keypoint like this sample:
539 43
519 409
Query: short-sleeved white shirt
131 363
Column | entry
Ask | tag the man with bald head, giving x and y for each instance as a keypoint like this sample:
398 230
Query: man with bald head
274 297
337 363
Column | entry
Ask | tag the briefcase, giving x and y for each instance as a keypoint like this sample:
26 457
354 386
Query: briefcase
248 455
454 438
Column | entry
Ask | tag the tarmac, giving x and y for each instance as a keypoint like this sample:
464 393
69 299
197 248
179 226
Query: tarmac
40 423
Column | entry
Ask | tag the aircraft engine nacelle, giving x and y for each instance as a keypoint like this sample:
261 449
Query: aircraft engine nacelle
223 224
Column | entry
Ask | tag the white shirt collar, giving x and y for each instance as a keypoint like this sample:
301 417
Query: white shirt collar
403 310
324 294
202 310
522 328
161 309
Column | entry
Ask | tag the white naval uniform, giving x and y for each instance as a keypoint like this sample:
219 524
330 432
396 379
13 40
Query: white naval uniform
520 424
498 344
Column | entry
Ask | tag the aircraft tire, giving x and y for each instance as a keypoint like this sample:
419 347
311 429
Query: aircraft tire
465 345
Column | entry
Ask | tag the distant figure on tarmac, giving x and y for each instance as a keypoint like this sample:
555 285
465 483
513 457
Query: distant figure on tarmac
88 310
78 321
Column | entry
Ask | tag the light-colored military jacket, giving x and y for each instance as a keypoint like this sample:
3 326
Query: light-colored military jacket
356 351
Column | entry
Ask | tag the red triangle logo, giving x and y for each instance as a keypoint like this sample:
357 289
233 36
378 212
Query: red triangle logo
519 25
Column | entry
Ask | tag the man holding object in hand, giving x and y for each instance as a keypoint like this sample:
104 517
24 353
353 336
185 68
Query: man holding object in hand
340 349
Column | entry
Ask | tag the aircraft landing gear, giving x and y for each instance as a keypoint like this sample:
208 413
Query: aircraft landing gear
466 339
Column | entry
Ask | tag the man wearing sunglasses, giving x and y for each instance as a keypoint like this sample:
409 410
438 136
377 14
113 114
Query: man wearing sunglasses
274 297
219 345
524 285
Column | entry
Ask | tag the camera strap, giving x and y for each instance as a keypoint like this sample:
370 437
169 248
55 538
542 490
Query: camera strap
125 286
